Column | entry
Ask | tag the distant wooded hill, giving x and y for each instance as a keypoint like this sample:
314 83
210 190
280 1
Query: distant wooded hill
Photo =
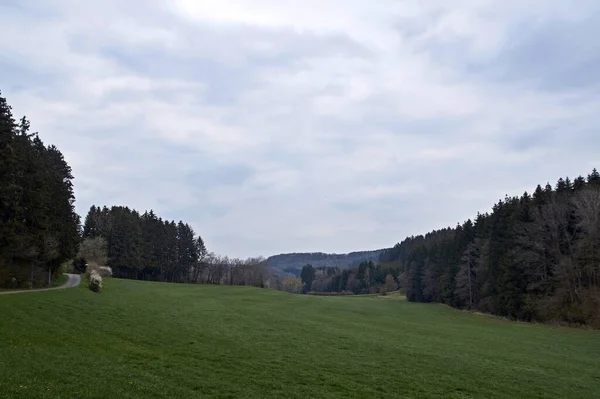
292 263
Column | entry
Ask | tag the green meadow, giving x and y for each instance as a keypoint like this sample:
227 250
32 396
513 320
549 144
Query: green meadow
157 340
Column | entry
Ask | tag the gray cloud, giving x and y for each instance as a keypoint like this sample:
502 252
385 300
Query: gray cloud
216 175
556 53
557 56
275 128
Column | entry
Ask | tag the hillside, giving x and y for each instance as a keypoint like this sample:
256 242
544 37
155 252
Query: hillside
292 263
157 340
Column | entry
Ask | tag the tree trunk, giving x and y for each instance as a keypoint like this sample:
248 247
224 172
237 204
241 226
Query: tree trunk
470 289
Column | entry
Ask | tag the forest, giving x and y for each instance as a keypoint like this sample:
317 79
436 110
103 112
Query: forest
534 258
39 228
143 246
146 247
292 263
41 234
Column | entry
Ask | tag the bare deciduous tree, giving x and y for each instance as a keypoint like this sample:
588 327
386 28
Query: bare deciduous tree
390 283
293 285
94 250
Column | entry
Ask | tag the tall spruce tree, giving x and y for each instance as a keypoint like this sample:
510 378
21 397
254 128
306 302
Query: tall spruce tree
39 228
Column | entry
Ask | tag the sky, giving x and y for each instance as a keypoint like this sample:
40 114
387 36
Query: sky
289 126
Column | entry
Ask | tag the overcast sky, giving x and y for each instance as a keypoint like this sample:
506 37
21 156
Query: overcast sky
316 125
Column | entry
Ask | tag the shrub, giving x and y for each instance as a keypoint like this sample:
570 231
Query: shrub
95 281
293 285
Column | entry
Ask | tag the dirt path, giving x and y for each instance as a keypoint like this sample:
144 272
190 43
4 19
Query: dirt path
74 281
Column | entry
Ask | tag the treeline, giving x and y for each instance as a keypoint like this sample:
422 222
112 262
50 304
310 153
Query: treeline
534 257
367 278
39 228
146 247
292 263
234 271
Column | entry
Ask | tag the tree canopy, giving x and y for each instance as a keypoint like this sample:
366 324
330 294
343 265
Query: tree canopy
534 257
39 228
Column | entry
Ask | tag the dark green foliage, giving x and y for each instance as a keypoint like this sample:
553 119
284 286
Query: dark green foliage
145 247
39 228
307 275
533 258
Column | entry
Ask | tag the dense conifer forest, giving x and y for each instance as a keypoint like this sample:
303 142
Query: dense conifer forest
534 257
144 246
39 228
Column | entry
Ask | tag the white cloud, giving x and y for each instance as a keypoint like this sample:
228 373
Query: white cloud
335 125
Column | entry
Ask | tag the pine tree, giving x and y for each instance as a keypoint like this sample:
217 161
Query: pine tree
307 275
594 177
9 190
39 228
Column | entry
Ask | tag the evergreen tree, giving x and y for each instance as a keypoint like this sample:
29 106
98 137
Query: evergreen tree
146 247
39 228
533 257
307 275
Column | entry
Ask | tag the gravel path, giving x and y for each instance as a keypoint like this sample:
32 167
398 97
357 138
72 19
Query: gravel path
74 281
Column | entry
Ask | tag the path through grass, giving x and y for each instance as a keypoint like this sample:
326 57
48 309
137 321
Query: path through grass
57 282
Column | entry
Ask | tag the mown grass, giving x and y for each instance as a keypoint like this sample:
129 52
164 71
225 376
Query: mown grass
153 340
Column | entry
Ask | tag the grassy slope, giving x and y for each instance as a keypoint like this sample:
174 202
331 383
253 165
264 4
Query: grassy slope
155 340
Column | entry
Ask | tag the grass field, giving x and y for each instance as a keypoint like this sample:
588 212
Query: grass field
153 340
